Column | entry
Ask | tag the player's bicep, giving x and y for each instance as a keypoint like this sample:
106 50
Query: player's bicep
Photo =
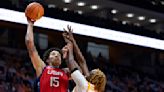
35 58
68 72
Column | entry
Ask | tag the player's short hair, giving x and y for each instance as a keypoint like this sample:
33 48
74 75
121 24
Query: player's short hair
98 79
47 53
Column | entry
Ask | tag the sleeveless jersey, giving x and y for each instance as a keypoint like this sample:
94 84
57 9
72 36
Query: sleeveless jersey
53 80
90 88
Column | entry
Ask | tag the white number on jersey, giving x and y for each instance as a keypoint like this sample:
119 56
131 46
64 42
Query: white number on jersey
54 81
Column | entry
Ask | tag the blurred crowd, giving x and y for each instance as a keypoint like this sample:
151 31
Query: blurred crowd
18 75
124 79
16 72
132 82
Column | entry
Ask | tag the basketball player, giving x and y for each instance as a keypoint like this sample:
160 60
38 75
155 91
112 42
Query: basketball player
51 77
96 78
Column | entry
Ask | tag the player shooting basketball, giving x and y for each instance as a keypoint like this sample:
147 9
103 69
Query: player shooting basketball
95 80
51 77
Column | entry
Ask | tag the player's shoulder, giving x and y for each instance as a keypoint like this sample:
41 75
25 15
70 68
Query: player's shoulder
48 67
66 70
91 86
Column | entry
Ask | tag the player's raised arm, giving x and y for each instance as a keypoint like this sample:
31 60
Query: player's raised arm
76 75
80 58
32 15
37 62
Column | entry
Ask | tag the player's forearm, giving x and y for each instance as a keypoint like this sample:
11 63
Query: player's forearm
29 34
29 38
71 62
71 65
81 59
78 53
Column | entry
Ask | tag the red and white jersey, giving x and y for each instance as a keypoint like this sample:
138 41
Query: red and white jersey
53 80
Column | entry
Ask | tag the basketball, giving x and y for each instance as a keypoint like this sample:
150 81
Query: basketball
34 11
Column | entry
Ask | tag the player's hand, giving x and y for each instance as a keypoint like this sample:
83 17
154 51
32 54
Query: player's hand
67 49
68 33
65 52
66 37
30 21
70 47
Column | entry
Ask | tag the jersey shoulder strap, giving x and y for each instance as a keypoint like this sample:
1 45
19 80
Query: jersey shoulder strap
90 87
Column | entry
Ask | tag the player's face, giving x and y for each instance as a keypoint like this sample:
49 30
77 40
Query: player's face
55 58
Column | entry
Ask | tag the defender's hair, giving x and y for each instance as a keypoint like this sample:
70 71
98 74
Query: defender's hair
98 79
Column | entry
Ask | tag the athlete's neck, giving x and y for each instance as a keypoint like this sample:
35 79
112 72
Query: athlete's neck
54 66
50 64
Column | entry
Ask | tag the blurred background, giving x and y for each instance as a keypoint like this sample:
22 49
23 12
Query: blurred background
129 68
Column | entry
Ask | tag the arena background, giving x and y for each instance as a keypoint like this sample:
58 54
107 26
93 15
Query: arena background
129 66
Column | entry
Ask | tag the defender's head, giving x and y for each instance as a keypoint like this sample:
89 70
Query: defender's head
98 79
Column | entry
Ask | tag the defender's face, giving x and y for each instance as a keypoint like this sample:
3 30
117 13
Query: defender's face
55 58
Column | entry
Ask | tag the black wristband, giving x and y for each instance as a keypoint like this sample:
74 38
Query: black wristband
74 70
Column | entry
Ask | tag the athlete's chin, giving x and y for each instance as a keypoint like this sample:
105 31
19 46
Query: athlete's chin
56 64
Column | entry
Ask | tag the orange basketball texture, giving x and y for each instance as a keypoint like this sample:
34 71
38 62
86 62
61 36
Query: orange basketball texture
34 11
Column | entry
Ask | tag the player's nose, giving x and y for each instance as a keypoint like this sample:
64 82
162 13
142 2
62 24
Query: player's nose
56 55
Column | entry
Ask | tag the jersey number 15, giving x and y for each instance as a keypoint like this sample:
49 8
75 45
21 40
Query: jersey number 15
54 81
